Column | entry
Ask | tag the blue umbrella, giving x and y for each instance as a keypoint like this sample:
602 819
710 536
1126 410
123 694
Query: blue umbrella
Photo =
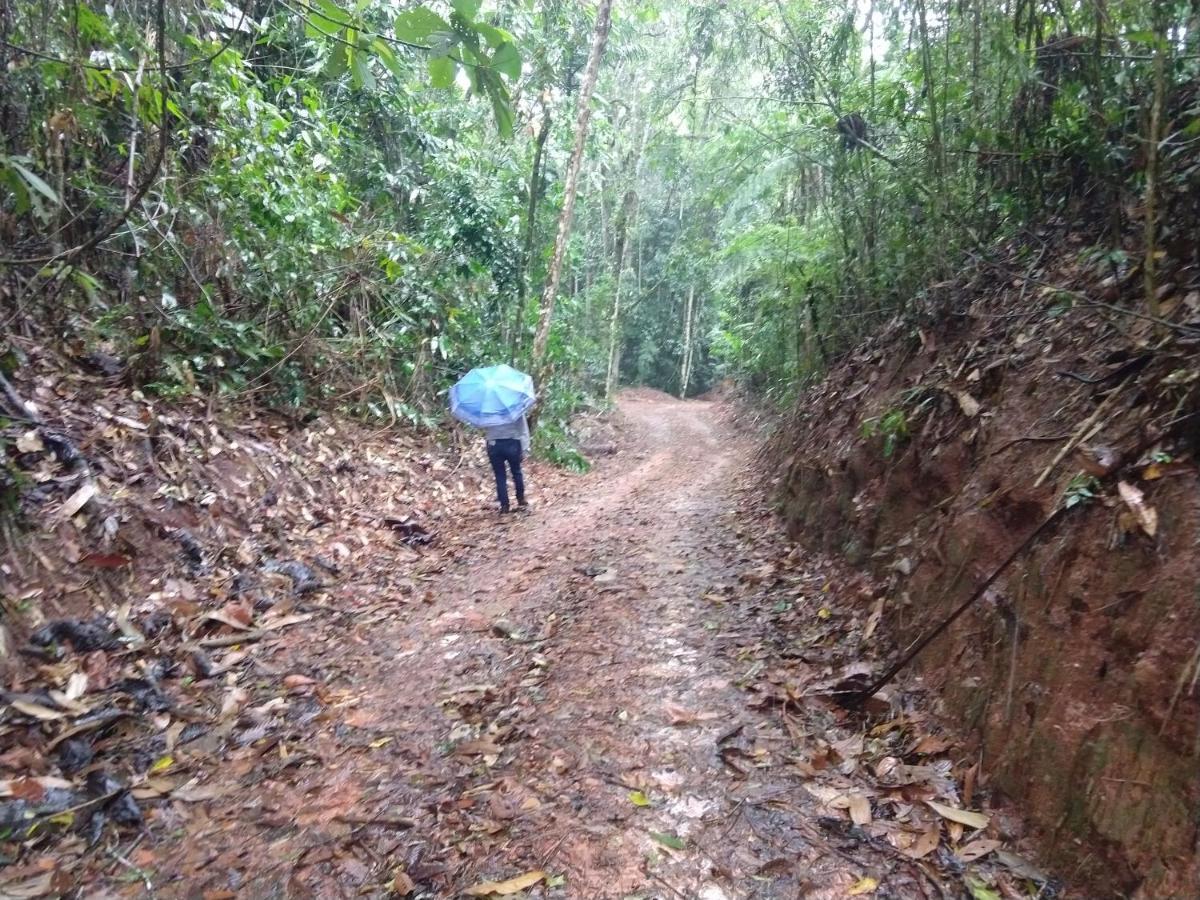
492 395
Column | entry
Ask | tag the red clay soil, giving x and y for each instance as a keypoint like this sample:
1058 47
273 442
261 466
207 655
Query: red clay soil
932 452
624 694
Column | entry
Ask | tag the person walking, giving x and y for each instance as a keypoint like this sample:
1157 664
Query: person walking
507 445
496 399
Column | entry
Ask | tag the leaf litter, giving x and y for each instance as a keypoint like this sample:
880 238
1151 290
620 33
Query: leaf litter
349 724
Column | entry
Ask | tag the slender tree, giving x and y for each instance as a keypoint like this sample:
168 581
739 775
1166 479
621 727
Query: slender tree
550 292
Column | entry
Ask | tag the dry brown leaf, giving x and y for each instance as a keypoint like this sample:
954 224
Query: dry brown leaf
860 810
873 619
36 710
931 745
968 404
961 816
196 793
926 843
1147 516
978 849
505 888
79 499
402 885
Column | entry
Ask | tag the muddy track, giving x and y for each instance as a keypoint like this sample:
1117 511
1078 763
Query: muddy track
562 697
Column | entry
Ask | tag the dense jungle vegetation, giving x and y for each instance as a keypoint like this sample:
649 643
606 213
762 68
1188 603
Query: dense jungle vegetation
349 202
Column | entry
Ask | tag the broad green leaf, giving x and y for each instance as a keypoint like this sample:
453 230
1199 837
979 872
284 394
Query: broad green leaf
669 840
441 71
388 57
414 26
360 71
468 9
637 798
493 35
34 181
329 15
21 203
338 62
507 60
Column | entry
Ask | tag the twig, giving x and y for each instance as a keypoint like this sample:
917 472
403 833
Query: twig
1192 664
380 819
1082 433
859 697
1049 438
230 640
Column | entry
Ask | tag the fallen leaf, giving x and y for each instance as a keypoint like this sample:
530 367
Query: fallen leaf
36 710
295 681
106 560
981 890
504 888
637 798
925 844
482 747
162 764
931 744
79 500
978 849
381 742
196 793
1147 516
41 886
402 885
873 620
677 715
865 885
669 840
1021 867
962 816
968 404
235 615
30 442
860 810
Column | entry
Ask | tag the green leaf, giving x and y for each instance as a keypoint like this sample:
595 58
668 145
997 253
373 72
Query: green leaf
21 204
468 9
414 26
442 70
388 57
338 62
34 181
507 60
493 35
360 71
637 798
325 19
981 891
669 840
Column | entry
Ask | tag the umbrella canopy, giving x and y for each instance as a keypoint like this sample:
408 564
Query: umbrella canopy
492 395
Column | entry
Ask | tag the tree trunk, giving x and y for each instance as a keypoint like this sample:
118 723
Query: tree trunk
550 292
535 190
685 368
628 211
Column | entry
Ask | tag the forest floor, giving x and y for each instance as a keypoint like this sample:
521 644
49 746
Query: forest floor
620 695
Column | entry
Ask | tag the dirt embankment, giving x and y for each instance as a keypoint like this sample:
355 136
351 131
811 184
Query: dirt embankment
931 453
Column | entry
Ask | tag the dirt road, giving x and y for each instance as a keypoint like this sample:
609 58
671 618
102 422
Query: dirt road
569 698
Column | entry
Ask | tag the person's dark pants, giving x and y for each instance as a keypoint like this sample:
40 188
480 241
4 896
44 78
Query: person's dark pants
507 450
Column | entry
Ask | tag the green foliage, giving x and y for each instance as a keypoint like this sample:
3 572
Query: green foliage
892 426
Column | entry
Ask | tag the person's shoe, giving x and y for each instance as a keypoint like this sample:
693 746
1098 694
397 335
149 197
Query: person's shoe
523 508
504 510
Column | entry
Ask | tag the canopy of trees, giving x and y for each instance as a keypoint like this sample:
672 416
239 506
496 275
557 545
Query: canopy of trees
351 201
